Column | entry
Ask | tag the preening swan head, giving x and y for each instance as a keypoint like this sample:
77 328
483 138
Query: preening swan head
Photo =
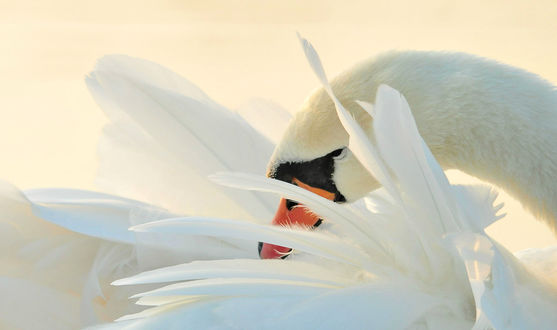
313 154
313 150
490 120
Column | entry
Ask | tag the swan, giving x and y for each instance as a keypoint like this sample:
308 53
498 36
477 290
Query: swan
418 242
489 120
159 148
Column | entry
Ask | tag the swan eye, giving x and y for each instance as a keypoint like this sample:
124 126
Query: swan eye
339 153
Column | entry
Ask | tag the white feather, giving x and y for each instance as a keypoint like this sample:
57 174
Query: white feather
269 269
326 246
94 214
240 286
175 121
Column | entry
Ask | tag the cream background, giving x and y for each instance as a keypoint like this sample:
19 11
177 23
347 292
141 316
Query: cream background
234 50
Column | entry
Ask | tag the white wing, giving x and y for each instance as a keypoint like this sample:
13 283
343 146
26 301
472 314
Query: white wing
52 277
160 146
166 136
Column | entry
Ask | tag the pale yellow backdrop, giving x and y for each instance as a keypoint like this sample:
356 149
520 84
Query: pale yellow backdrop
234 50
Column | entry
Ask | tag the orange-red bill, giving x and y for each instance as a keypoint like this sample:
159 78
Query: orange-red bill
288 215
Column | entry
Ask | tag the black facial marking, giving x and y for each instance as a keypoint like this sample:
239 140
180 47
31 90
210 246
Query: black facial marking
286 255
317 173
336 152
290 204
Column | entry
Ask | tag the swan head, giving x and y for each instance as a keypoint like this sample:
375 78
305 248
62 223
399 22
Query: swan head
313 154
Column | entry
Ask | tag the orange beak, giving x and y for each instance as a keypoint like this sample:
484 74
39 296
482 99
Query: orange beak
290 214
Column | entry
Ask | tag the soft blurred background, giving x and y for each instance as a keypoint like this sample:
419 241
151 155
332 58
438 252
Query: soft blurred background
234 50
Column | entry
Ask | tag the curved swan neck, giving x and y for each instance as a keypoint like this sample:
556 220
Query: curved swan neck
490 120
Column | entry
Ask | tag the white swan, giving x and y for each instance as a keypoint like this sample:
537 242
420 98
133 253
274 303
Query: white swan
169 149
416 257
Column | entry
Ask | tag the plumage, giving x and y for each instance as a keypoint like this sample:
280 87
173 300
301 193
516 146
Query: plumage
419 242
53 277
270 269
96 247
95 214
352 222
148 115
457 259
313 242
